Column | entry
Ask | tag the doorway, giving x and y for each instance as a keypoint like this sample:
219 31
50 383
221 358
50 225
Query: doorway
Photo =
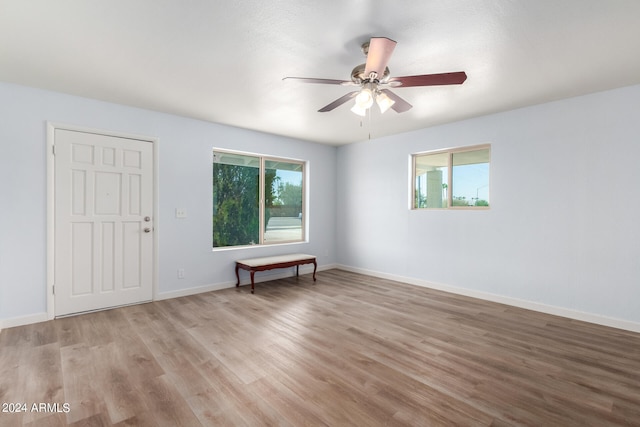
103 220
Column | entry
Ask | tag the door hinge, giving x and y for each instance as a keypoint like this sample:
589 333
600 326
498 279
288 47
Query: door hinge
53 149
54 289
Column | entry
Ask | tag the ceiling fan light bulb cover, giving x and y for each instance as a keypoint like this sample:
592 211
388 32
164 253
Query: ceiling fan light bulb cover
356 109
364 99
384 102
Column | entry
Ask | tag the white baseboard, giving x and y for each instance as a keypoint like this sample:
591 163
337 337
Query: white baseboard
193 291
23 320
258 278
529 305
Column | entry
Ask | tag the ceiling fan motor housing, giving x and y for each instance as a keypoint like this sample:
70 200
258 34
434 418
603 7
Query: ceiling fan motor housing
358 76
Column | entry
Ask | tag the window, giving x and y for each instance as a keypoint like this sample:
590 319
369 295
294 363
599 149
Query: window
456 178
256 200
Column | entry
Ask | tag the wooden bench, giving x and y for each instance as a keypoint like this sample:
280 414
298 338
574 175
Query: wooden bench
269 263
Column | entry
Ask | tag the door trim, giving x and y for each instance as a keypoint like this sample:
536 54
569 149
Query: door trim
51 127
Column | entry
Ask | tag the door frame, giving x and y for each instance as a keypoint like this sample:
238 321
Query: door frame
51 128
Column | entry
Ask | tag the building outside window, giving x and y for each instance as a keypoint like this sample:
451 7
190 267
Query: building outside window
455 178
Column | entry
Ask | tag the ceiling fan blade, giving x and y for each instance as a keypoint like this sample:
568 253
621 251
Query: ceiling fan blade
429 79
400 105
338 102
380 50
320 81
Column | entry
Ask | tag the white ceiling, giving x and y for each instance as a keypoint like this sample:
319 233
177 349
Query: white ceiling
223 60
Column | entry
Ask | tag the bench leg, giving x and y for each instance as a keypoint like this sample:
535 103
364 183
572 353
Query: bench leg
237 275
315 267
252 273
297 269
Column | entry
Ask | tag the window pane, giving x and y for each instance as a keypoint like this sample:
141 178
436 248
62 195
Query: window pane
471 178
283 214
236 194
431 180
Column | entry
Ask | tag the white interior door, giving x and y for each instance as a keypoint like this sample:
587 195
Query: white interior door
103 238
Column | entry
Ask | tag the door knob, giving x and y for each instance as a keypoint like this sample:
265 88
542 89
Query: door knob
147 230
147 219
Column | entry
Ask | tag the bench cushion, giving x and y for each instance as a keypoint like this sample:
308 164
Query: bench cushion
278 259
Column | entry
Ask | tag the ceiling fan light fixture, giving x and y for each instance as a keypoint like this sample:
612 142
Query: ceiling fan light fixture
384 102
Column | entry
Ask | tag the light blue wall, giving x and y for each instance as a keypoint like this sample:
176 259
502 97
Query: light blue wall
184 176
563 228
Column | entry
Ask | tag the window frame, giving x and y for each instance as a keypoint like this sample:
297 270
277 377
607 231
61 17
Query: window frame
450 152
263 158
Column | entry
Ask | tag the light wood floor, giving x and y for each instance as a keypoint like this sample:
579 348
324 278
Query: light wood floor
349 350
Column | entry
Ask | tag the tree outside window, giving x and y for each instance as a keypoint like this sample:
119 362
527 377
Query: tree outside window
240 183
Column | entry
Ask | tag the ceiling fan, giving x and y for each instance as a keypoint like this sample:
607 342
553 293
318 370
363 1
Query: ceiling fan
374 78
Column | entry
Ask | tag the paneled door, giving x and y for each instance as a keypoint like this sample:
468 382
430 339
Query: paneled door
103 236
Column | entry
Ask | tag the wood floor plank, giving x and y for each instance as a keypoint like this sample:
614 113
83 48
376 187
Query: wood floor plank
115 383
42 375
348 350
165 403
81 393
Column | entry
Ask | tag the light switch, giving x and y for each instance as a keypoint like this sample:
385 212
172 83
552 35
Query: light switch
181 213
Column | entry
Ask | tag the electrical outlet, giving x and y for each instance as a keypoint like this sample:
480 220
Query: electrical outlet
181 213
181 273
